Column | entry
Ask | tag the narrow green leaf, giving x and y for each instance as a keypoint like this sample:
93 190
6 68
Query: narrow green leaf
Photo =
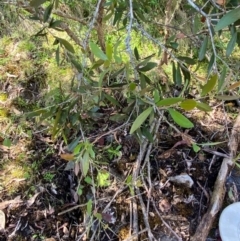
174 72
140 119
174 45
231 44
196 24
41 32
108 16
91 151
66 44
222 79
145 77
187 60
180 119
89 207
212 143
203 49
98 63
169 101
55 24
137 56
47 12
124 22
204 107
142 81
85 163
178 76
109 51
97 51
76 64
209 85
118 117
139 14
188 104
145 61
55 42
151 118
196 148
156 95
56 122
117 16
111 99
147 67
100 81
228 97
114 75
186 75
211 63
35 113
228 19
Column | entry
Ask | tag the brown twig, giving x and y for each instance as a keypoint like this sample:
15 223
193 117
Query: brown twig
100 25
136 169
64 15
219 187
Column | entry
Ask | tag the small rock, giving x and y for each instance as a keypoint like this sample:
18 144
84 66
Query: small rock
2 220
183 179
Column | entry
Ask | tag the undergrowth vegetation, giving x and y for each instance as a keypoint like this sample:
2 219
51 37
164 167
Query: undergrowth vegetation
96 80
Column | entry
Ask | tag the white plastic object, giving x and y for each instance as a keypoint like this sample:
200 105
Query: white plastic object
229 223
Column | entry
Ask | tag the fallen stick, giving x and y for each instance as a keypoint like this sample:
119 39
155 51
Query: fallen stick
135 175
219 188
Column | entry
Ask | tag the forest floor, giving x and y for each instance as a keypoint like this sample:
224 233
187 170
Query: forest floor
43 195
39 190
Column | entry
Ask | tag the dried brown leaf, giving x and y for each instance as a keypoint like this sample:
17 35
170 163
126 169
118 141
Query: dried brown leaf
164 205
31 201
76 168
67 156
221 2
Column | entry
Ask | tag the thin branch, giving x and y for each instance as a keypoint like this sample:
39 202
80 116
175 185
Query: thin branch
208 21
145 210
161 45
67 16
91 25
135 176
128 38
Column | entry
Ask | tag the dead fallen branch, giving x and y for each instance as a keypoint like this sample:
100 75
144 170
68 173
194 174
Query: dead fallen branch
219 187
